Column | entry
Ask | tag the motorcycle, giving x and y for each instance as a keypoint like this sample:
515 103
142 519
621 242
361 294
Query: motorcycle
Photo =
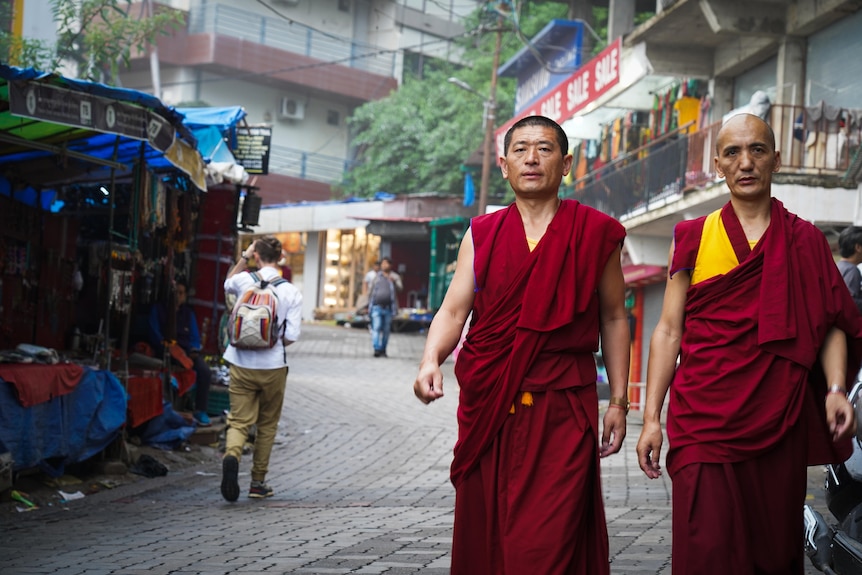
837 550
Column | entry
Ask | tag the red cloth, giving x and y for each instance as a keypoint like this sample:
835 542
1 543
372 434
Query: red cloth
185 380
38 383
145 398
760 498
534 328
521 297
533 504
751 339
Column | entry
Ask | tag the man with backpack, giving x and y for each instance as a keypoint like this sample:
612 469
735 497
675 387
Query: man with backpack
265 320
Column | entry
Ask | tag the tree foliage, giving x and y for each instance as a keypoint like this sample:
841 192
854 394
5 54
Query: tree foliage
94 36
418 139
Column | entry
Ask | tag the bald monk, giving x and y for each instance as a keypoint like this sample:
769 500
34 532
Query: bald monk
542 279
760 319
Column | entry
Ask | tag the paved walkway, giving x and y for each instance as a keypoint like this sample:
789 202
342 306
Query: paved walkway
360 473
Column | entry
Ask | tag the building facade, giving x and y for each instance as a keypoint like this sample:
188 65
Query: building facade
300 68
693 64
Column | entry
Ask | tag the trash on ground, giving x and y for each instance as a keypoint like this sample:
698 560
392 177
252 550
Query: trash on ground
70 496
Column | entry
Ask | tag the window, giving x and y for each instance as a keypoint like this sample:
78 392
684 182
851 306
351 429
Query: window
333 117
344 5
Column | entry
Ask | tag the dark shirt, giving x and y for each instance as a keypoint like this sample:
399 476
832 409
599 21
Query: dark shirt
853 279
188 336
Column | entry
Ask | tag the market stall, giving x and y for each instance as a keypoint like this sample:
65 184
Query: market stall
99 195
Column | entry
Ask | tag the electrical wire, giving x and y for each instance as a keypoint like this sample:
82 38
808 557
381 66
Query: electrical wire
514 13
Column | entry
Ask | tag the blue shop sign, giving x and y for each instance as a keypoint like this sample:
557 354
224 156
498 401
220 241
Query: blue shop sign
552 56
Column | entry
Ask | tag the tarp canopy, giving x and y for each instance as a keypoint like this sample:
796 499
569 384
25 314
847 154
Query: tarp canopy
215 130
56 130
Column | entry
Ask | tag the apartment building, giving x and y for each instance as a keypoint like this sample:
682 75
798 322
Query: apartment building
646 142
300 68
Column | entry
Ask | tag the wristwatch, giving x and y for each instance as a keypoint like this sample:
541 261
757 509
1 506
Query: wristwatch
622 402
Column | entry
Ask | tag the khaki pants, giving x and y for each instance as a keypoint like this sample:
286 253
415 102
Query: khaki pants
256 397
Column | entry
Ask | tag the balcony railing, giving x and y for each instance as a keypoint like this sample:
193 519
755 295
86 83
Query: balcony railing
290 37
814 141
317 167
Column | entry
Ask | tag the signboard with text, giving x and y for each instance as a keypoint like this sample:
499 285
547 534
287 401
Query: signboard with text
580 89
80 110
252 148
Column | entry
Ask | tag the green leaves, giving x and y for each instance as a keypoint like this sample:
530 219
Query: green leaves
418 138
95 36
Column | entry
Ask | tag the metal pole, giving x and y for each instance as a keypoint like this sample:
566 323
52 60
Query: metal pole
489 124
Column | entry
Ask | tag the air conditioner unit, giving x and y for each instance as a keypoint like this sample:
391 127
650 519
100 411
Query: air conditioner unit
291 109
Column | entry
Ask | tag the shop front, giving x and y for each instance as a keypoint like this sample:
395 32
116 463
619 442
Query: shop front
100 193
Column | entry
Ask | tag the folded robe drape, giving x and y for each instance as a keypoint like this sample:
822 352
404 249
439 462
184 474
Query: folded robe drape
534 328
749 355
747 401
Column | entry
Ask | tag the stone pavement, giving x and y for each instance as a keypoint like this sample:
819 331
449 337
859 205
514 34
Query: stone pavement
360 472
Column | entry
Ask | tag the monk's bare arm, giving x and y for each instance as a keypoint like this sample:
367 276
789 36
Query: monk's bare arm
447 325
616 346
839 412
663 353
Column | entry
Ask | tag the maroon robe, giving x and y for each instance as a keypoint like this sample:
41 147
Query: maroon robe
747 401
528 492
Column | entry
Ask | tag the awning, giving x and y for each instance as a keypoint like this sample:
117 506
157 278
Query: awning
617 78
57 130
215 131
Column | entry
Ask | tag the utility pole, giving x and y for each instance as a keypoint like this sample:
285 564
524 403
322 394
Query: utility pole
490 117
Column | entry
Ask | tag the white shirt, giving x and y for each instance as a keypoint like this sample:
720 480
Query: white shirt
289 310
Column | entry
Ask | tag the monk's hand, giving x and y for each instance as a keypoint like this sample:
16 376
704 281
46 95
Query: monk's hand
614 431
840 416
649 449
429 383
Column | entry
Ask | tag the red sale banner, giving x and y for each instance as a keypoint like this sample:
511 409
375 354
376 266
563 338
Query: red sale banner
579 90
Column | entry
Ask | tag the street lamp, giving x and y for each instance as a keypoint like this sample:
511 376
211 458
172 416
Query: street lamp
488 117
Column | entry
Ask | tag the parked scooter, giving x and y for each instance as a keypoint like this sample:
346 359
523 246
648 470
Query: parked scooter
837 550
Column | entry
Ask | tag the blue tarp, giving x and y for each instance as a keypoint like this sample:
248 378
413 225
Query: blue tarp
65 430
211 126
224 118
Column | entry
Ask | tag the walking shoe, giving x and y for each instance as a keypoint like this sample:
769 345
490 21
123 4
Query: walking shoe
259 490
229 473
203 419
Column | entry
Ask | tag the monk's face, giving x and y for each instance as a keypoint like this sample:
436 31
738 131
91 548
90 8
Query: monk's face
534 163
746 157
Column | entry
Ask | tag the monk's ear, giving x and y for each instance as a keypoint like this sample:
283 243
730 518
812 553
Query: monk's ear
777 165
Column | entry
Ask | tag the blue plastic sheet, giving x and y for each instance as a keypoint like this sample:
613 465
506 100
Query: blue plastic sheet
65 430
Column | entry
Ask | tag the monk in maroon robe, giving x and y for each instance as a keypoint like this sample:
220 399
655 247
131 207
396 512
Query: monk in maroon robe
759 317
540 279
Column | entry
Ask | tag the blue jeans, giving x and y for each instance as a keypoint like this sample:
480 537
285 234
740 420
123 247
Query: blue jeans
381 323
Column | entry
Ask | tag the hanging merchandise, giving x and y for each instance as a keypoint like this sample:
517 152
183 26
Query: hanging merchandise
617 131
687 110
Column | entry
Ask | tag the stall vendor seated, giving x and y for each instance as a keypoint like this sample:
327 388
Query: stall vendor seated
188 339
